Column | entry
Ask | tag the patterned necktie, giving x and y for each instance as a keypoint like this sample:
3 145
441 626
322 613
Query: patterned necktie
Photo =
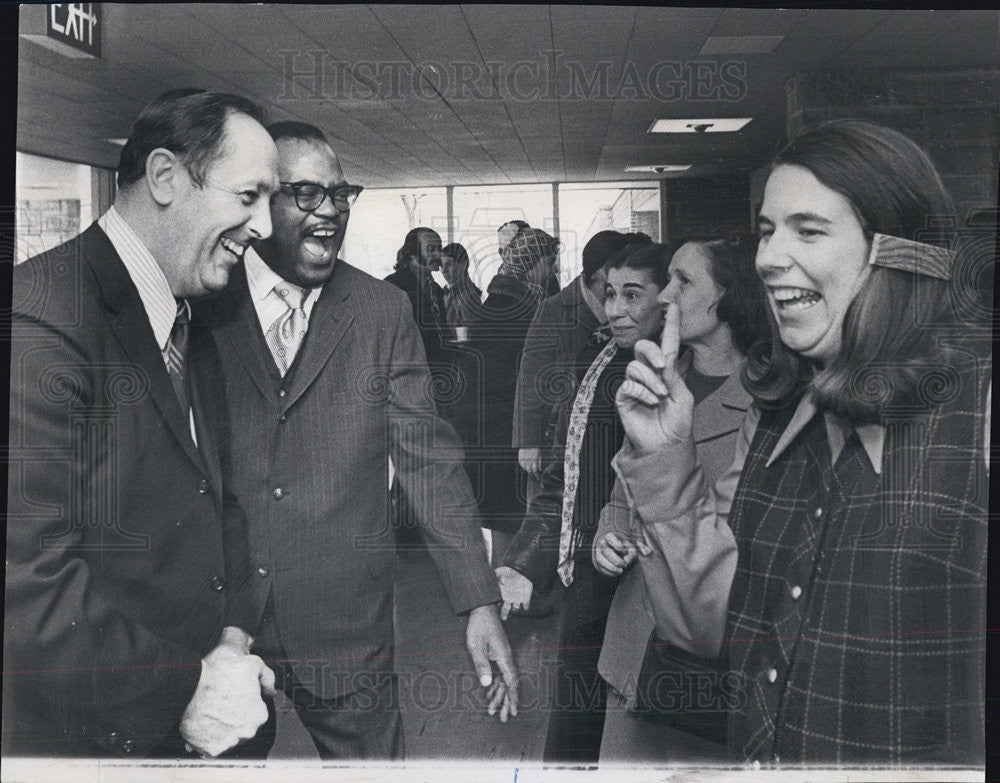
287 332
175 354
571 461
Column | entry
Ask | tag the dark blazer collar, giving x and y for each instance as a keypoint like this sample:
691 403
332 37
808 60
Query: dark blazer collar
571 295
133 330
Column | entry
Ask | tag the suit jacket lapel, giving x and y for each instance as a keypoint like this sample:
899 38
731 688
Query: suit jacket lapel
330 318
133 330
237 326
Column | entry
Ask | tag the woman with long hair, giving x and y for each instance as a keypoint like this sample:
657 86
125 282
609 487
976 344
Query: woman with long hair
839 565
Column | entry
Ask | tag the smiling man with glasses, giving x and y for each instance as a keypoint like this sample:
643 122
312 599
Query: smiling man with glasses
326 372
309 195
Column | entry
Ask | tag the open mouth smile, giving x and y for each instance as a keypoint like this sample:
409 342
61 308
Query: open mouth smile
233 247
317 241
791 300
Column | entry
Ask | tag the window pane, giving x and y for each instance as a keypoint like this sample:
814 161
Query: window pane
380 219
481 210
586 208
53 202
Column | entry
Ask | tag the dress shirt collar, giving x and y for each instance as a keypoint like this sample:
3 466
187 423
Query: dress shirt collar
262 280
596 305
146 274
872 436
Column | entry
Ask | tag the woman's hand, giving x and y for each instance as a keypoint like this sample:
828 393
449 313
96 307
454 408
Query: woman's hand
515 590
530 460
614 553
655 405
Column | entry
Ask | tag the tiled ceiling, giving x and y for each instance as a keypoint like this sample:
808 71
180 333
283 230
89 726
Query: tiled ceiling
467 94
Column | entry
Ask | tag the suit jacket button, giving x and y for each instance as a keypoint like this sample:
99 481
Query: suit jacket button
217 583
282 393
263 571
113 737
282 418
128 746
278 493
203 486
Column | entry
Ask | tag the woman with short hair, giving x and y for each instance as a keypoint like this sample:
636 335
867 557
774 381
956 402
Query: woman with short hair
714 287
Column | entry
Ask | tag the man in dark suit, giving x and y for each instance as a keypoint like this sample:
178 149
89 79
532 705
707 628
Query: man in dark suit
562 325
325 366
126 607
416 259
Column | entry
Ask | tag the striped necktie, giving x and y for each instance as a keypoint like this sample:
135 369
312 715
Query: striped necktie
286 334
175 354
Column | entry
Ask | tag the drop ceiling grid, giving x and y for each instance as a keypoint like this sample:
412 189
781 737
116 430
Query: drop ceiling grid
585 44
463 127
520 34
662 35
362 144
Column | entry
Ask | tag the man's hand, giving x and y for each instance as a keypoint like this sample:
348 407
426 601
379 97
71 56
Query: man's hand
486 641
515 590
613 553
530 461
227 707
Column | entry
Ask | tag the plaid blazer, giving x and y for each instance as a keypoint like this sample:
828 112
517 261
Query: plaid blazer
857 612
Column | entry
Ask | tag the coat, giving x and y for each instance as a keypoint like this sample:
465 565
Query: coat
546 381
310 464
123 549
497 330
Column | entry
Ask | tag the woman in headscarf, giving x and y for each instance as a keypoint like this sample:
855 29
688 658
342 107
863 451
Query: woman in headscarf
497 331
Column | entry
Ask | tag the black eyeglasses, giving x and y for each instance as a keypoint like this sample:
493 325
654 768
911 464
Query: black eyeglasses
309 195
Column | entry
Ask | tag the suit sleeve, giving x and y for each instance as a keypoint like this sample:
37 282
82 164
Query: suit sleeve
69 654
534 550
531 409
685 518
428 456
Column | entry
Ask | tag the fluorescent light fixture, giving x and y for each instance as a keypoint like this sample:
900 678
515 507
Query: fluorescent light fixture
741 44
654 169
710 125
119 142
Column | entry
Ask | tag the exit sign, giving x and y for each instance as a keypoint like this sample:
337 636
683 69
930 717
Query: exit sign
77 25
